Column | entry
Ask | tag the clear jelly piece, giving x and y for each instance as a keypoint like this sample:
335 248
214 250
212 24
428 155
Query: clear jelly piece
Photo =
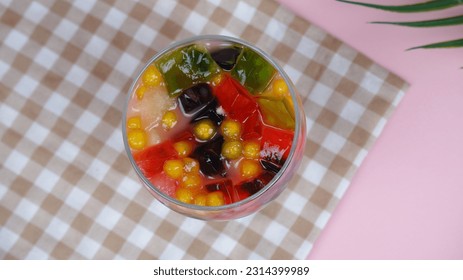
253 71
185 67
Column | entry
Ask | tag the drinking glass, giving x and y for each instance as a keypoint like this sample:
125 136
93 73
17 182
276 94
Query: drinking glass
272 189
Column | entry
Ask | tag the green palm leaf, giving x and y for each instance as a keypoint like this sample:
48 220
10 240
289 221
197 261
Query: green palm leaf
428 23
422 7
412 8
447 44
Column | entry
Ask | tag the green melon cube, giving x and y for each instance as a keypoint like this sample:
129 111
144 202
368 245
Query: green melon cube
185 67
253 71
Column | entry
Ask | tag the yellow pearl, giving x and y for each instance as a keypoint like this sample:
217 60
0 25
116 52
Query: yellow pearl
204 129
137 139
169 120
249 168
183 148
173 168
215 199
280 89
200 200
231 129
190 165
231 149
251 150
217 79
184 195
151 77
134 123
191 181
140 92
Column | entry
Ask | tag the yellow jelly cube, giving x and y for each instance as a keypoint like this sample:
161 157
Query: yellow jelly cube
251 150
140 92
191 181
184 195
231 129
137 139
200 200
151 77
280 89
169 120
215 199
249 168
134 123
173 168
231 149
204 129
289 104
275 113
190 165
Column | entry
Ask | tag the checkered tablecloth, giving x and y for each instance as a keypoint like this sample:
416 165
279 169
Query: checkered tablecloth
67 190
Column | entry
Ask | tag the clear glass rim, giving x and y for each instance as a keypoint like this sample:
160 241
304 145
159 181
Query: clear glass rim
297 130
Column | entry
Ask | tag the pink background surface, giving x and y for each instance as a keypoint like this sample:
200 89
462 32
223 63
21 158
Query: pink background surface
406 200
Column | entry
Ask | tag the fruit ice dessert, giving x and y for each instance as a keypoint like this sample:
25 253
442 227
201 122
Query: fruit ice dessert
210 124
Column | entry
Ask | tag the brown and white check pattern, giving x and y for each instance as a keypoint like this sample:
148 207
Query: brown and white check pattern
67 190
